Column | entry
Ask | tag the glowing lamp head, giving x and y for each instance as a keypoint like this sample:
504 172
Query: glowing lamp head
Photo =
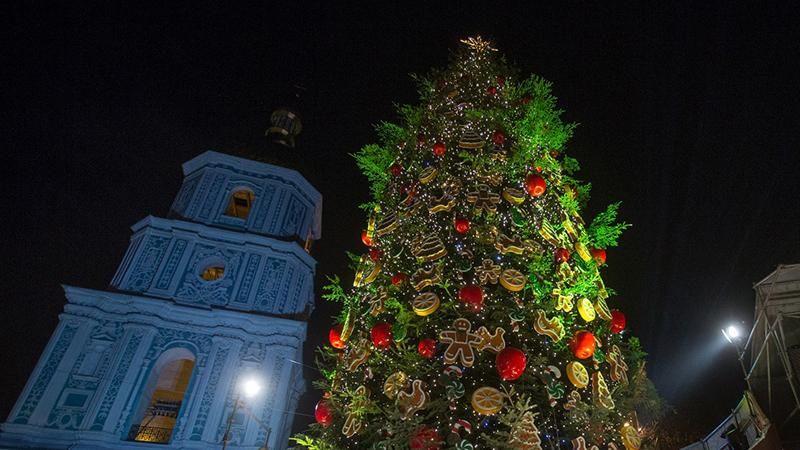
250 387
732 333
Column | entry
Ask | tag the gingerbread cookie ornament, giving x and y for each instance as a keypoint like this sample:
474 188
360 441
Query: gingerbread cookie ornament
525 434
357 355
352 422
460 342
492 342
376 301
413 401
600 393
619 370
482 199
428 248
551 328
423 278
488 272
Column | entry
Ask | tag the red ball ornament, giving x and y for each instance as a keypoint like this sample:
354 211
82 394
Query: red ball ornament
510 363
499 138
471 295
583 344
425 438
599 255
335 337
396 169
365 238
375 254
381 335
427 348
491 90
562 255
525 99
535 185
461 225
323 413
399 278
618 321
439 149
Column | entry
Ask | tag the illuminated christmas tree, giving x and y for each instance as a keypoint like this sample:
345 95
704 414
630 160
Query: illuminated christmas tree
478 317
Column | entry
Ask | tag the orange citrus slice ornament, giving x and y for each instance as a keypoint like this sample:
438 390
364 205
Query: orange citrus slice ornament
513 280
426 304
487 401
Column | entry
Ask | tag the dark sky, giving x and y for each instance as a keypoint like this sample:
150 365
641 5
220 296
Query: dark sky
689 113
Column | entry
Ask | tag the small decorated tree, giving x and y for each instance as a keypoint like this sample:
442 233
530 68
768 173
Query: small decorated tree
478 317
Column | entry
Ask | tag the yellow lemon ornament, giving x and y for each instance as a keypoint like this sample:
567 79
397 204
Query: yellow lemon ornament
586 309
577 374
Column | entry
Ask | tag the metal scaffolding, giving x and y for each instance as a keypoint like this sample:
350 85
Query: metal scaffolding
774 349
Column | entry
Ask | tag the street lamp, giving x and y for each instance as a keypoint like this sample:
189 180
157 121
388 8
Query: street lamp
731 333
249 387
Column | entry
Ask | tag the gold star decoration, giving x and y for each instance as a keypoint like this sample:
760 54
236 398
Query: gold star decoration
478 44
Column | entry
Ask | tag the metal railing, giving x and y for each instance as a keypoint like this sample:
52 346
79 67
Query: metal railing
747 419
155 435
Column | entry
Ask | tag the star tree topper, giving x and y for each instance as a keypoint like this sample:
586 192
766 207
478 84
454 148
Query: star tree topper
478 45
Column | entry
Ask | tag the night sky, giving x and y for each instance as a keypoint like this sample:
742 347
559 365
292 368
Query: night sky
689 114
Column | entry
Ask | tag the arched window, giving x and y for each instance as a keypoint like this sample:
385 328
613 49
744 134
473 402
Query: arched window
240 203
162 397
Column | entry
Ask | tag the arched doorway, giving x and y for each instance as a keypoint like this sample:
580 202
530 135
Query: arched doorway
163 396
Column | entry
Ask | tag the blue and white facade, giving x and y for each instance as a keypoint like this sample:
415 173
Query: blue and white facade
94 383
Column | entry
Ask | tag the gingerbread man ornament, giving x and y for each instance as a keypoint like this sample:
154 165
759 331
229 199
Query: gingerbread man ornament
460 343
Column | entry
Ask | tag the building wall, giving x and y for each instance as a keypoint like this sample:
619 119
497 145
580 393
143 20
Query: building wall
94 371
95 379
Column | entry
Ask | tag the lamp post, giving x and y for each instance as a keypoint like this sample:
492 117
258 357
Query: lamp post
249 387
734 335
